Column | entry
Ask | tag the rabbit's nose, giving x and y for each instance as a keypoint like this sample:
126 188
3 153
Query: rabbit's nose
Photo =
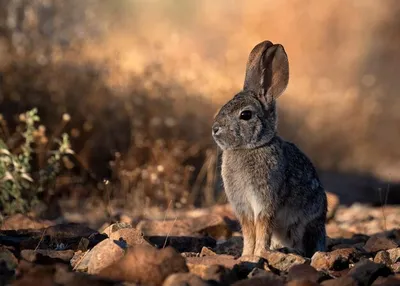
215 129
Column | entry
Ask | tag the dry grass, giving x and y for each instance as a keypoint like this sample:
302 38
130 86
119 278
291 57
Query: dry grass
343 88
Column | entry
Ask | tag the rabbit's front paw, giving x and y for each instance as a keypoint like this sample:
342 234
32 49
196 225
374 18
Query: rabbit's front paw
249 258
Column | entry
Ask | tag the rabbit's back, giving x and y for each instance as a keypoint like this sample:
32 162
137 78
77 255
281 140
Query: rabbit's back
302 181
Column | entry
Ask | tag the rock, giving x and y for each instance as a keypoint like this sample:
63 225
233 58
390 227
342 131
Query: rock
387 281
190 254
366 272
205 251
302 283
47 255
115 227
256 272
104 254
61 237
359 237
69 230
390 258
342 281
333 204
232 246
224 211
83 244
261 281
353 242
252 259
184 279
394 254
336 260
80 261
182 243
77 258
221 228
21 221
207 225
338 273
282 261
63 276
21 239
304 272
91 241
383 257
358 246
247 264
333 241
377 242
217 267
80 279
55 274
130 235
395 267
200 265
35 275
220 274
146 265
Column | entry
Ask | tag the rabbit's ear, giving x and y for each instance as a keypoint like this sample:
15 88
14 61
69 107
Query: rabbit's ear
267 71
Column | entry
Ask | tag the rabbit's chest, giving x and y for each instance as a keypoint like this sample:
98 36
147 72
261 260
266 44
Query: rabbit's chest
248 183
243 194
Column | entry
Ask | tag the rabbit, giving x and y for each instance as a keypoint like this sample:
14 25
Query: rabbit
272 186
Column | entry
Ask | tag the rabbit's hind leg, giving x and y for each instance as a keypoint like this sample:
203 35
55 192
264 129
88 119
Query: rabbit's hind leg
276 243
314 237
289 240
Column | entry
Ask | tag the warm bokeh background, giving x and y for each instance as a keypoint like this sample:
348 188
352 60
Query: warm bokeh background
141 81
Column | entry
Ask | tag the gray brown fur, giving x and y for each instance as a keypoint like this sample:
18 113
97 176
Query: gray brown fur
272 186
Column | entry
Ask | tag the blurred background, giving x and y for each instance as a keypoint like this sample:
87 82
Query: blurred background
135 85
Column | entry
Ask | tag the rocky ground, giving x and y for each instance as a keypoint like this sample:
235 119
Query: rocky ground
198 247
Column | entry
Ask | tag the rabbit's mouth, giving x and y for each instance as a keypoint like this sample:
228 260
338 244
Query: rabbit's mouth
216 134
218 140
224 143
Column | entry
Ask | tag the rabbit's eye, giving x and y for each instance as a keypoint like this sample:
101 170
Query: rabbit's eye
245 115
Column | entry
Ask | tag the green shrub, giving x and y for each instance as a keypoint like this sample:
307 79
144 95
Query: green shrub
20 181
